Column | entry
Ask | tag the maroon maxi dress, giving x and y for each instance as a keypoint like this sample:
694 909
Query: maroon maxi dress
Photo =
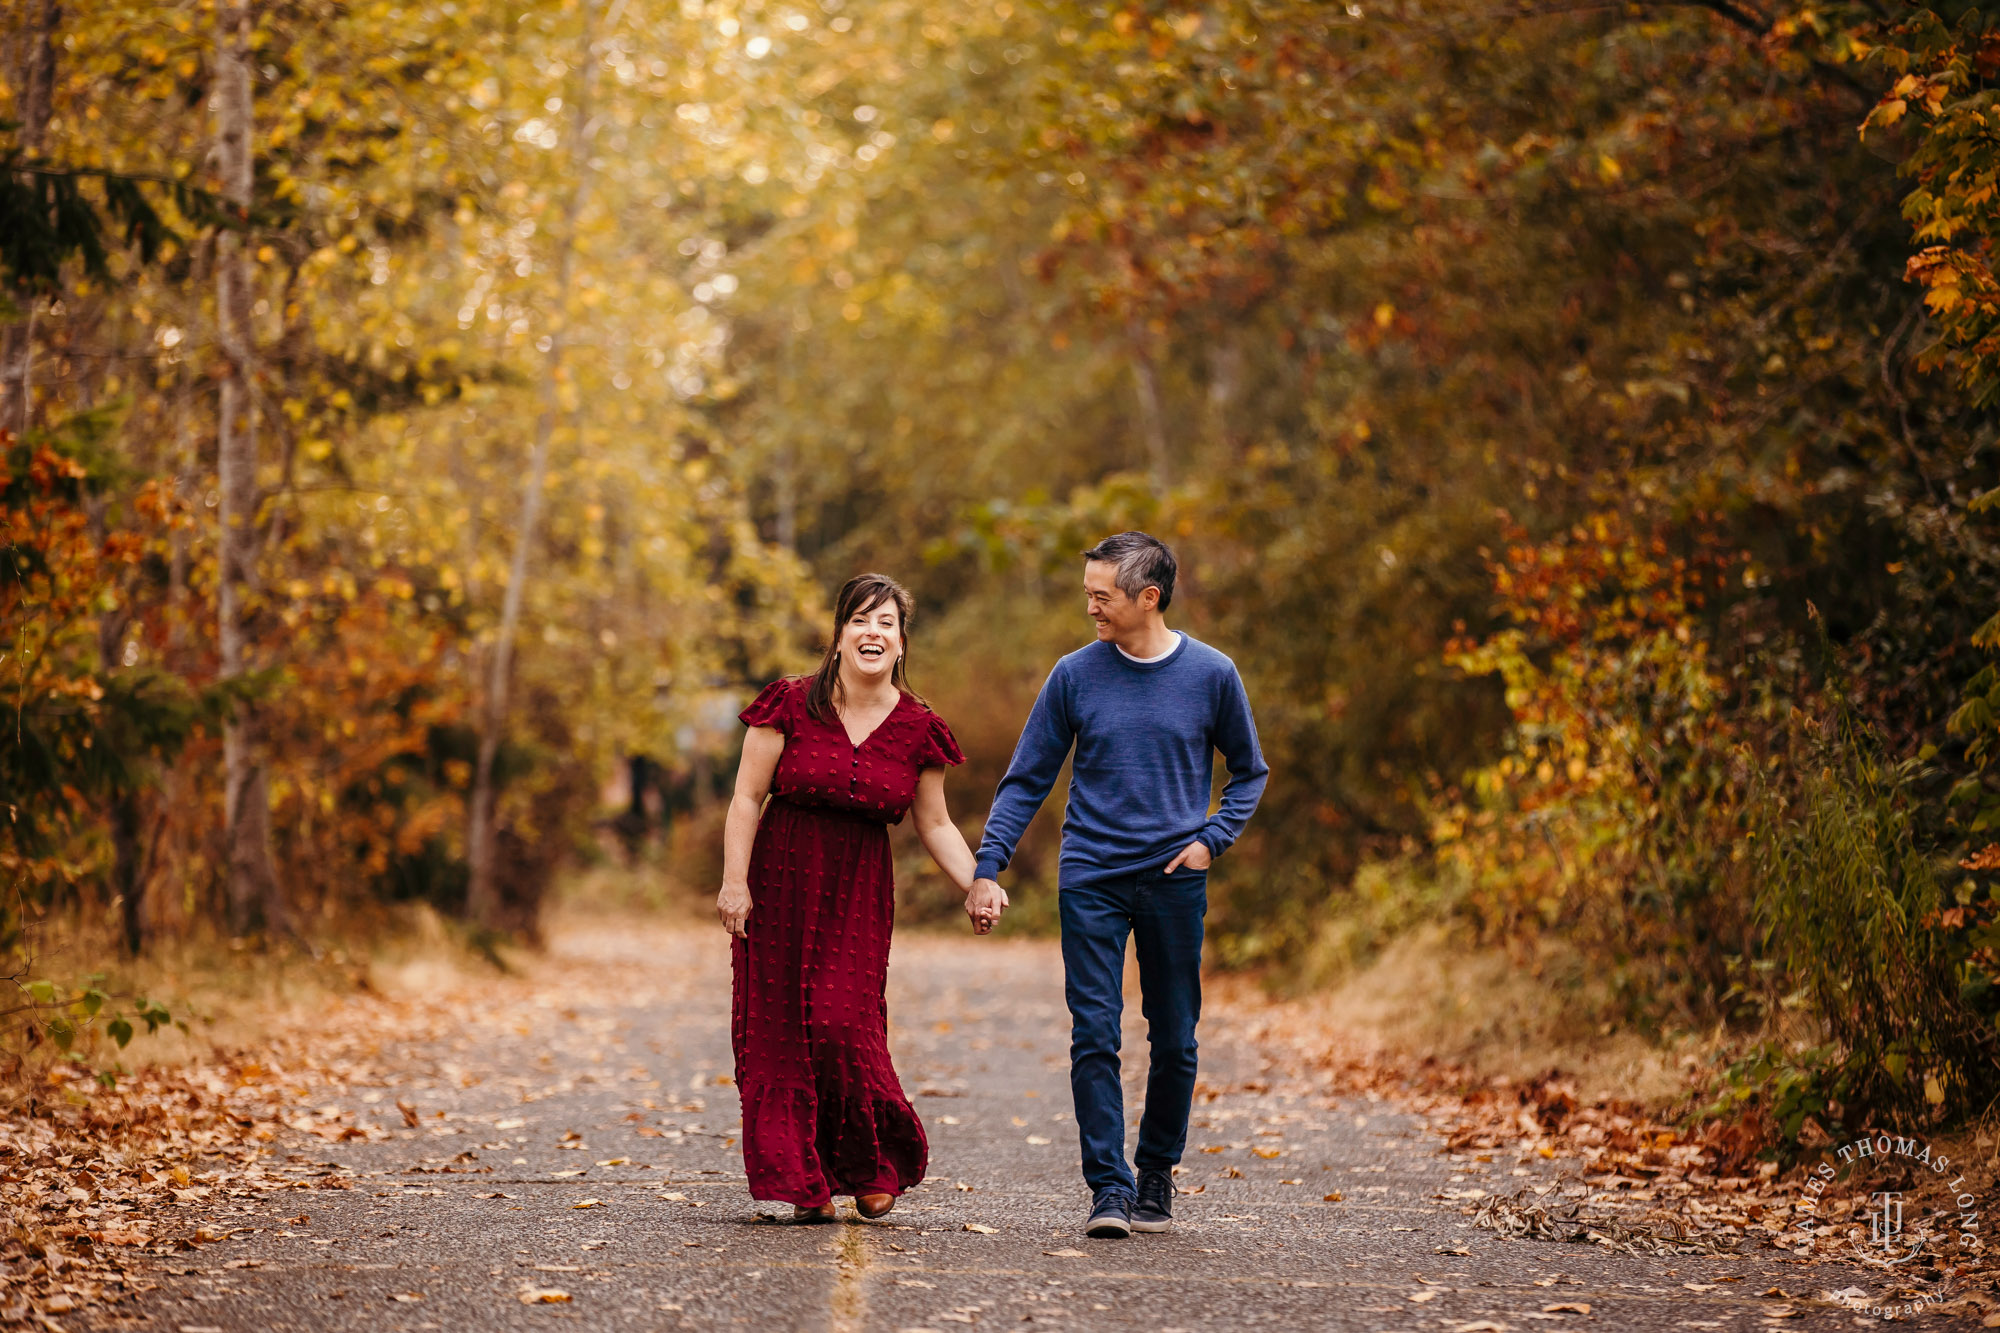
823 1112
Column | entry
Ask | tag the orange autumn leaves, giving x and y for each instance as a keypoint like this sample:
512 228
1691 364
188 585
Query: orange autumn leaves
1619 718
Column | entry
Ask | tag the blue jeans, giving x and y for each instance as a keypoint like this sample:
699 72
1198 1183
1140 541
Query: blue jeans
1163 914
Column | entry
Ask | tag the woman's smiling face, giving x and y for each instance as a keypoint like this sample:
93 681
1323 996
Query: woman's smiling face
872 640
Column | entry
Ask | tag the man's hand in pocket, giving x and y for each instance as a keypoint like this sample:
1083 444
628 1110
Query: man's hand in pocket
1195 856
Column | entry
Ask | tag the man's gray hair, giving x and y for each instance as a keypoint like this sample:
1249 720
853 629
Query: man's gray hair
1143 561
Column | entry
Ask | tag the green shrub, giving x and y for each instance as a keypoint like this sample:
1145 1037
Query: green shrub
1849 895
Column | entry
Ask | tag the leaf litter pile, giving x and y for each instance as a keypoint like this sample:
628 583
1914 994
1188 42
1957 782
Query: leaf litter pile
105 1186
96 1179
1630 1183
93 1176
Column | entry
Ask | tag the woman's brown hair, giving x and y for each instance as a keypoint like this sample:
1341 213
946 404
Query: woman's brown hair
858 596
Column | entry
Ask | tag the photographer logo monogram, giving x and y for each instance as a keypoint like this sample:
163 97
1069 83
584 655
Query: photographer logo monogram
1899 1229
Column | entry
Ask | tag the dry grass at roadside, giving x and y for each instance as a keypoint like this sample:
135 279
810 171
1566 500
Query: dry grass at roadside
1482 1009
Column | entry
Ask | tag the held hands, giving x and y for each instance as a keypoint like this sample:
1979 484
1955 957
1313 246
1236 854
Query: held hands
984 904
1195 856
732 905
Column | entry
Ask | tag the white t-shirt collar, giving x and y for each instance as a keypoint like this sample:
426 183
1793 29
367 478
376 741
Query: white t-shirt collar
1148 661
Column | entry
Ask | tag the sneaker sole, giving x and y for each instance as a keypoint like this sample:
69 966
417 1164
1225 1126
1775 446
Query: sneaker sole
1153 1228
1109 1229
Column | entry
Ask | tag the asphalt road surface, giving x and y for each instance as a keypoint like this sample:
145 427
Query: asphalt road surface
583 1145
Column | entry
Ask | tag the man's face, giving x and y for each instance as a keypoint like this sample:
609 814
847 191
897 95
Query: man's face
1116 615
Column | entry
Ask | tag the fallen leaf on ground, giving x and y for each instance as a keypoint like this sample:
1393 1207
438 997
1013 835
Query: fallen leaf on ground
1039 1140
407 1297
589 1203
614 1161
543 1295
1567 1307
982 1228
409 1110
1066 1254
1421 1296
1336 1197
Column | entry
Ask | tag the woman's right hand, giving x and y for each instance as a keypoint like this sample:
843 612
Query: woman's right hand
984 904
733 906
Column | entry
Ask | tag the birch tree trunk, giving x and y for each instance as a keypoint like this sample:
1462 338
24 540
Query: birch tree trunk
1152 418
254 896
482 895
1225 382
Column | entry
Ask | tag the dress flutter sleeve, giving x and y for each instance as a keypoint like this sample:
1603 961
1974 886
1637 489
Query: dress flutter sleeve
772 708
938 748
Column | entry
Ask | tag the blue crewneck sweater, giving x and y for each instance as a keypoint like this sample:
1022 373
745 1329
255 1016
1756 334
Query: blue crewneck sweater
1145 735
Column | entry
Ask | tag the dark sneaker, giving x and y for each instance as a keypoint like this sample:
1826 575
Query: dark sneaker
1110 1215
1155 1209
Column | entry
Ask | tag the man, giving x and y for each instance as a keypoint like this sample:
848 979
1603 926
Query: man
1146 708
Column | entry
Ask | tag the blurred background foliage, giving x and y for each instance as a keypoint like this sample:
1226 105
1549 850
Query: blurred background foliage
1574 421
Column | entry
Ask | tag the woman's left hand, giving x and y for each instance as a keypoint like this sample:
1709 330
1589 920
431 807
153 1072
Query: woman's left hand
1195 856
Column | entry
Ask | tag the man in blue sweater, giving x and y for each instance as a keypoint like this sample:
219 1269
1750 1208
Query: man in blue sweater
1145 708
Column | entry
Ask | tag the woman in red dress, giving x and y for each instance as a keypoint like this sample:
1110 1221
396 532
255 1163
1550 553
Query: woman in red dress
809 895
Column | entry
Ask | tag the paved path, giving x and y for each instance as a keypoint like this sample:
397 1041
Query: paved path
607 1087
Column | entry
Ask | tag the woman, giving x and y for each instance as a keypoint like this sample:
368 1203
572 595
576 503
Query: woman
808 894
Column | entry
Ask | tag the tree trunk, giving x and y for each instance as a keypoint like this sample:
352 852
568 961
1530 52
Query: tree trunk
254 897
482 897
38 73
128 804
37 83
128 877
177 561
784 482
1152 419
1225 382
